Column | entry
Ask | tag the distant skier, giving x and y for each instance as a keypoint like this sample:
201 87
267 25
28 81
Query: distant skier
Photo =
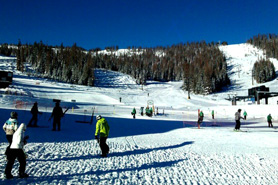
16 152
245 115
142 111
237 119
269 120
200 118
57 114
133 112
34 112
149 111
212 114
10 126
102 129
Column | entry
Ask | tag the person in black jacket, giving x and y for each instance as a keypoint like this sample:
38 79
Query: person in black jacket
57 114
34 112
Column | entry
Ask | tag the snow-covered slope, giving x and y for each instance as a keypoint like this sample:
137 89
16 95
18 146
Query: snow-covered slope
164 149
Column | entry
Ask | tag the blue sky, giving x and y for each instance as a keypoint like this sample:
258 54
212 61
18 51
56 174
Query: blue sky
146 23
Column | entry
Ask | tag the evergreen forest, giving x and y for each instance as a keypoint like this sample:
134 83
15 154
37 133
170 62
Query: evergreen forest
263 69
202 66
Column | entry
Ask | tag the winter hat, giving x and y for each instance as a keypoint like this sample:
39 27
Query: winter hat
14 115
98 117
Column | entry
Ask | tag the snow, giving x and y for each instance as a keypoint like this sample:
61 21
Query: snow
164 149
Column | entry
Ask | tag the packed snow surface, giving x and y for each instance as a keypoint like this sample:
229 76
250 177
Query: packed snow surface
164 149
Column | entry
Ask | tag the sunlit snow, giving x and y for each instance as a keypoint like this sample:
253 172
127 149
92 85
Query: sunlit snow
163 149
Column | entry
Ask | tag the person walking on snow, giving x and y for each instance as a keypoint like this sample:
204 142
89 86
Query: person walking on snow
133 112
200 119
212 114
102 129
57 114
34 112
245 115
237 119
10 126
269 120
16 152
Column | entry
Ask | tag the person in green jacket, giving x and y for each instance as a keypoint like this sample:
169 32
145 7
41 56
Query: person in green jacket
269 120
200 118
133 112
245 114
102 129
212 114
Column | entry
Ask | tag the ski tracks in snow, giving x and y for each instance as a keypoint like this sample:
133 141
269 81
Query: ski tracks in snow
145 162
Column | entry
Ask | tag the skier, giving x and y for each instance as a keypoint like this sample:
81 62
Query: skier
133 112
269 120
10 126
34 112
102 129
142 111
212 114
149 111
57 113
16 152
245 115
200 118
237 119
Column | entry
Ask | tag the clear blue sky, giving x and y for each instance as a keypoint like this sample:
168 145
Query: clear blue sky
146 23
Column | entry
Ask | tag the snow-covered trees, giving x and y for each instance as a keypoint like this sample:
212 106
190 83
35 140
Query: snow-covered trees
263 71
267 42
7 50
70 64
202 66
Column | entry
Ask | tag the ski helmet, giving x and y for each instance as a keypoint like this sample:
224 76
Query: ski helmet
98 117
14 115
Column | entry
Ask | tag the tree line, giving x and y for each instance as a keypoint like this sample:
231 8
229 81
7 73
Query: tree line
65 64
263 69
202 66
7 50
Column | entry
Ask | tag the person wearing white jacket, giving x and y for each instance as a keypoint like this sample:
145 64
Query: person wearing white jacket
16 152
10 126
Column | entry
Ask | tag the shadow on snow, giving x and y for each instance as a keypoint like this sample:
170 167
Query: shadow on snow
119 127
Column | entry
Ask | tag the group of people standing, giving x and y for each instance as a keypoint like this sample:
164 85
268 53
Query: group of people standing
238 117
17 140
57 114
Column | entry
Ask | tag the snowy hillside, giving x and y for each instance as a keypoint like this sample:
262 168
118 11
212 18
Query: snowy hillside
164 149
